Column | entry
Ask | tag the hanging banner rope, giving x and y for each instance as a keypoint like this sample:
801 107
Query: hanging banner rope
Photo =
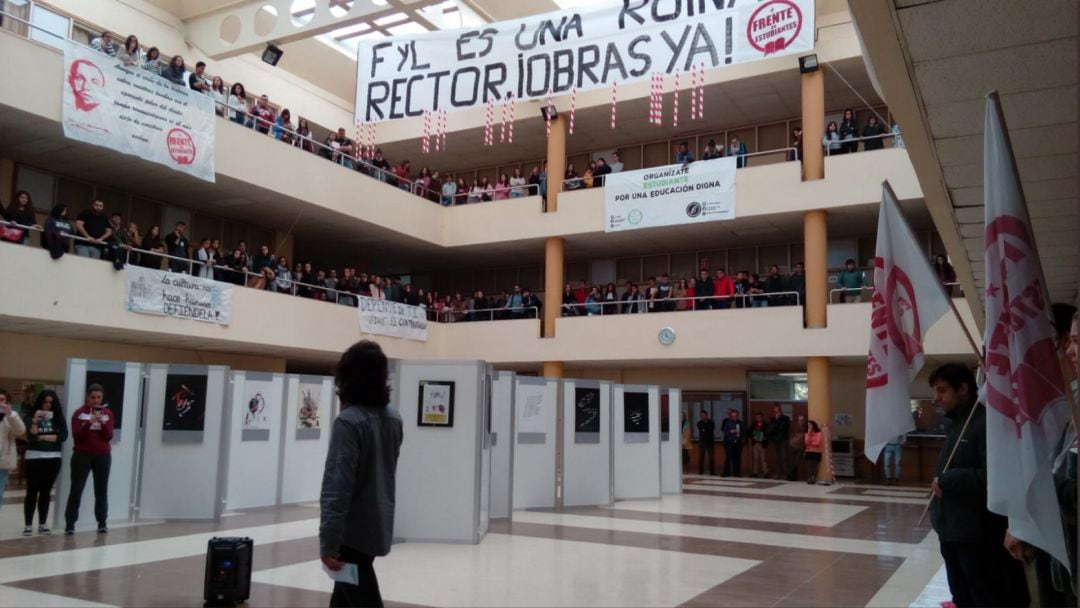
547 117
693 93
502 124
488 123
701 91
442 130
425 143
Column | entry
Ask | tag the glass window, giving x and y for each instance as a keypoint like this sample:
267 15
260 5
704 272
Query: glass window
49 28
627 269
684 265
532 277
40 185
654 266
783 386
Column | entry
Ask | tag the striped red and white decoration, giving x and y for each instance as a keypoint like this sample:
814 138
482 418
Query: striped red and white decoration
701 92
675 101
652 100
502 124
488 123
693 93
551 106
442 129
425 143
371 137
513 110
573 105
614 101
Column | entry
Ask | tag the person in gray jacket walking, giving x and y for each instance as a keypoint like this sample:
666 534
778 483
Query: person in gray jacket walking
357 500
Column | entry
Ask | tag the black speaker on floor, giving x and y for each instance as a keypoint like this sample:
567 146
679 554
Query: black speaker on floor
228 570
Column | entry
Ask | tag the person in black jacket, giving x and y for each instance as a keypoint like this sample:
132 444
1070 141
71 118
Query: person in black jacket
873 128
733 430
776 283
58 231
706 439
703 288
979 568
778 432
849 130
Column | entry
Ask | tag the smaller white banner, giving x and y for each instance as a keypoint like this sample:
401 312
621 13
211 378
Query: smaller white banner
386 318
131 110
170 294
701 191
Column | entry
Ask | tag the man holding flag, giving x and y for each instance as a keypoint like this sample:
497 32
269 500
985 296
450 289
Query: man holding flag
1028 411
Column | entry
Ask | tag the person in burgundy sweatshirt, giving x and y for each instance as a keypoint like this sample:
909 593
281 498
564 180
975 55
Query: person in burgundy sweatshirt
92 429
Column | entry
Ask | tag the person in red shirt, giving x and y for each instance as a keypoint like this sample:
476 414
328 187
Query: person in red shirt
580 294
402 173
92 429
723 288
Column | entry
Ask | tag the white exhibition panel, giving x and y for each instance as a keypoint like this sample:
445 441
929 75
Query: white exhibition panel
637 455
671 448
255 410
438 474
587 472
182 469
485 451
536 402
304 448
124 443
502 444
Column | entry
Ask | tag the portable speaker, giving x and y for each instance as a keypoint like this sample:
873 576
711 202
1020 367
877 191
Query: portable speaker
228 570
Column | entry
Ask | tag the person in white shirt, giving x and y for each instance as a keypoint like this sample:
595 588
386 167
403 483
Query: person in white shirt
517 184
238 106
104 44
131 55
205 255
616 163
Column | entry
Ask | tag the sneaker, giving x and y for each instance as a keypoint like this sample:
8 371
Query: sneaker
69 531
102 529
28 531
43 530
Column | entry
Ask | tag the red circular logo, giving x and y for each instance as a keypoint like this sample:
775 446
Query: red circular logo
774 25
181 146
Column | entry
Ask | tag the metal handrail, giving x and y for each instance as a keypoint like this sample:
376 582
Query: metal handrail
737 156
841 290
841 142
491 314
645 302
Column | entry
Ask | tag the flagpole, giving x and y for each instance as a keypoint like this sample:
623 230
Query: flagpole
948 462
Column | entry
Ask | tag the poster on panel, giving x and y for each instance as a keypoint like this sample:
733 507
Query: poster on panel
136 112
553 53
185 402
586 410
310 405
533 409
112 384
691 193
636 413
436 403
665 419
261 405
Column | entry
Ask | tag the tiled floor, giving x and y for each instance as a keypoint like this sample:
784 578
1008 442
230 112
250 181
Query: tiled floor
724 542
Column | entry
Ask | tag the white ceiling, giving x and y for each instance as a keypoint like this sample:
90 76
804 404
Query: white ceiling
962 49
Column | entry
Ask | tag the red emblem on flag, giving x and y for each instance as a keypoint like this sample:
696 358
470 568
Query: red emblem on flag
894 321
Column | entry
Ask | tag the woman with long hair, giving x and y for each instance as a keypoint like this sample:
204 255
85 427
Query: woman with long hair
21 211
303 135
152 242
461 193
849 131
238 106
130 55
174 72
502 188
678 294
517 184
831 140
944 270
135 240
611 300
153 61
220 95
46 431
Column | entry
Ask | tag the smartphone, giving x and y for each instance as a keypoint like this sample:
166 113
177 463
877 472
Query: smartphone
47 415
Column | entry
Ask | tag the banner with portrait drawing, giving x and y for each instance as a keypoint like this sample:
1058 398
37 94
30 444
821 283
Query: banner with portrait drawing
552 53
133 111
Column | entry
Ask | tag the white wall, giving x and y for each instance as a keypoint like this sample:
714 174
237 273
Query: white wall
587 466
536 402
671 449
180 479
502 450
304 450
438 475
637 464
253 456
124 444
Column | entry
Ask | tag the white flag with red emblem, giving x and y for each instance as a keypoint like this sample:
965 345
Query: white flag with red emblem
908 300
1027 407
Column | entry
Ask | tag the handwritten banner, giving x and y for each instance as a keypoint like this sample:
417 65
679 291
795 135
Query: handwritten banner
386 318
702 191
553 53
170 294
131 110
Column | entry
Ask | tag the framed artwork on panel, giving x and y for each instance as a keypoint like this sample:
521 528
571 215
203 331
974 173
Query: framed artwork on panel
436 403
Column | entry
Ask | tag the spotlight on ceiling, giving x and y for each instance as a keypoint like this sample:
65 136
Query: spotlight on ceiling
272 54
808 64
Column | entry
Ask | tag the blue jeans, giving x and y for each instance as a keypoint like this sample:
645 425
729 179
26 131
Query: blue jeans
3 483
892 459
87 251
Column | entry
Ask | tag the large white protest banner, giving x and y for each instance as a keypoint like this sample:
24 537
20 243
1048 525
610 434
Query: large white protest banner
131 110
386 318
703 191
171 294
552 53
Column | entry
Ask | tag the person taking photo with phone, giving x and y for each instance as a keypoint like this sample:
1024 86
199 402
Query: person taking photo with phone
46 431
